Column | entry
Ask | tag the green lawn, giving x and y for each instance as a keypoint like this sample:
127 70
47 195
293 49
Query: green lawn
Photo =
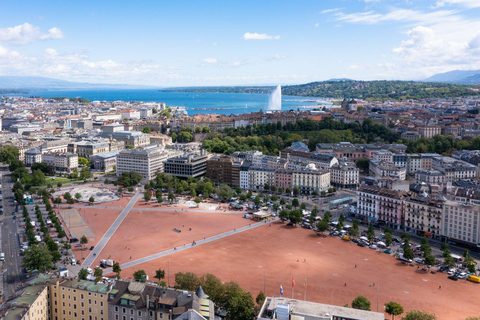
57 180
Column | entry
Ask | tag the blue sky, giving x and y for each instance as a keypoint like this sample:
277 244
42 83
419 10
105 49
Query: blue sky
185 43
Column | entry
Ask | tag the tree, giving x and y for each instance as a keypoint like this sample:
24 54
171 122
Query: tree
193 193
429 260
59 185
295 203
83 274
187 281
98 274
82 161
296 191
206 130
67 196
78 196
84 240
361 303
295 216
284 214
280 190
8 154
371 232
408 253
388 230
91 199
405 236
322 226
393 309
388 239
363 164
38 178
249 194
238 190
171 197
419 315
225 192
159 274
140 275
85 173
117 269
238 303
37 257
303 206
257 201
146 130
159 197
288 191
147 196
197 200
260 298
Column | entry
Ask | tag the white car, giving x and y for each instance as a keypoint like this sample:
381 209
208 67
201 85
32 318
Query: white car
450 272
89 270
462 275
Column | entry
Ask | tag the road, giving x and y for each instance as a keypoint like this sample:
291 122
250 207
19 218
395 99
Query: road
189 246
12 267
103 242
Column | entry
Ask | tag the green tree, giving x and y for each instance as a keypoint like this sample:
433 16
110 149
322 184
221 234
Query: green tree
83 274
419 315
295 202
82 161
238 190
146 130
147 196
370 232
295 216
429 260
8 154
37 257
197 200
388 239
91 199
117 269
225 192
361 303
187 281
239 304
78 196
260 299
84 240
393 309
171 197
140 275
38 178
322 226
296 191
159 274
284 214
159 197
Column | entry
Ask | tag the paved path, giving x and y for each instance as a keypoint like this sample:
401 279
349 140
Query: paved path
188 246
153 209
103 242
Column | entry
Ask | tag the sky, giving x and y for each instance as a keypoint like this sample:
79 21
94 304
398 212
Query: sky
206 43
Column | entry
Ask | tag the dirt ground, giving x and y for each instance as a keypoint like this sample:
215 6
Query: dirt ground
144 233
98 220
277 253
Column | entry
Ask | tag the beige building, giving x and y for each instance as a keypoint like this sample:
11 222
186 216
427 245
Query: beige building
423 215
147 161
429 131
62 162
32 304
308 180
345 175
86 149
79 300
461 222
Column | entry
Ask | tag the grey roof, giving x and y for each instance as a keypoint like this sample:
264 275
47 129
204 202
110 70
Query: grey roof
200 293
191 315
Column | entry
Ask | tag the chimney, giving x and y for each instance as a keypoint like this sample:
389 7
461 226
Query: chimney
148 301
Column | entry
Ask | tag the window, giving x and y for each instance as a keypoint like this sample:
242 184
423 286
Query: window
139 313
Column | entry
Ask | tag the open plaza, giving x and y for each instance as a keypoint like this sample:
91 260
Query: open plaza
260 256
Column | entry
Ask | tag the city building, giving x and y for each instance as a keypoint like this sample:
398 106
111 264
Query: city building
309 180
243 175
259 176
345 175
189 165
224 170
105 162
461 221
291 309
33 156
423 215
147 161
283 179
32 304
386 169
61 162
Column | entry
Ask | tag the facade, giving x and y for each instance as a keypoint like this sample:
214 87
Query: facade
132 138
147 161
308 180
386 169
429 131
283 179
376 204
32 304
383 155
33 156
61 162
258 176
429 176
78 299
243 175
423 215
224 170
345 175
461 222
190 165
106 162
86 149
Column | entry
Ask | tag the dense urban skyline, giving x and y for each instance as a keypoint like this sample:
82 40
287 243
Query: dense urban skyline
243 42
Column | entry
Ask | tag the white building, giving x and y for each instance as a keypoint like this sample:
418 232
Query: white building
345 175
33 156
147 161
461 222
386 169
145 113
244 176
130 114
258 176
61 162
308 180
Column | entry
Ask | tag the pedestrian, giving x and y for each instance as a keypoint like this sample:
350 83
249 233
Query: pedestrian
355 266
439 287
345 284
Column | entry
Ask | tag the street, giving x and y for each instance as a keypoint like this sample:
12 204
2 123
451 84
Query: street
12 266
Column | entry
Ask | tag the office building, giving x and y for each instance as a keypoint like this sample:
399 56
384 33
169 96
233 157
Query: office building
190 165
147 161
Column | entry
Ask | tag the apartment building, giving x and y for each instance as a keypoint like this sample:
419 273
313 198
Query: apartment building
429 131
32 156
243 175
386 169
32 304
224 170
308 180
345 175
147 161
61 162
105 162
461 222
385 206
189 165
383 155
430 176
423 215
86 149
258 176
283 179
78 299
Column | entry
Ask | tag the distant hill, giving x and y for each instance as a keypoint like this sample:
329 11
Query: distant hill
457 76
42 83
366 90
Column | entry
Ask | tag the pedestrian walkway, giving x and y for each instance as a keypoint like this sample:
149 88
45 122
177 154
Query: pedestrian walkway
110 232
189 246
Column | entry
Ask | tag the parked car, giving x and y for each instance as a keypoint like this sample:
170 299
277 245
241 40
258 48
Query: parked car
453 277
92 247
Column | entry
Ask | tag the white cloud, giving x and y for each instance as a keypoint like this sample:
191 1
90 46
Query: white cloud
316 25
464 3
259 36
27 33
330 10
210 61
276 57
